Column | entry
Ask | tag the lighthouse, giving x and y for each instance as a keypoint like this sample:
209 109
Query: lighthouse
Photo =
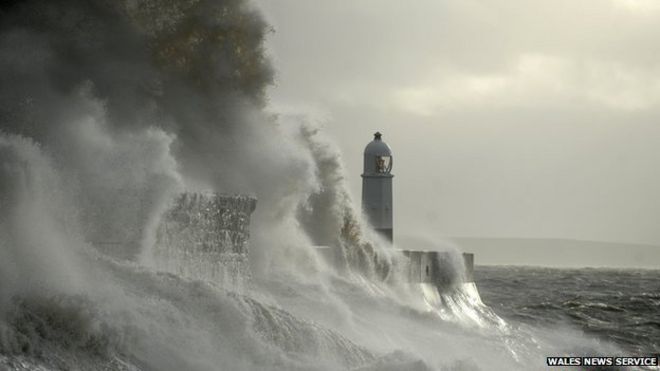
377 186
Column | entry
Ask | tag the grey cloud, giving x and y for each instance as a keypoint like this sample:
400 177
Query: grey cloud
530 119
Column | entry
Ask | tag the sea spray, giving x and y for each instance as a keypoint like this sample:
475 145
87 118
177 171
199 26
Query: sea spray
38 235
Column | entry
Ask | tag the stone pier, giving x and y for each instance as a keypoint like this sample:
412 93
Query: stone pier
206 236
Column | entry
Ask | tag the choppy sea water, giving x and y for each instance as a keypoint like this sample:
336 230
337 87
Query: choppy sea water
618 306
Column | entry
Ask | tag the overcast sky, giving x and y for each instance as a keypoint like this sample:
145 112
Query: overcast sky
507 118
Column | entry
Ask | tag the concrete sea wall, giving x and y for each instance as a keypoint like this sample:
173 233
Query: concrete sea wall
206 236
441 268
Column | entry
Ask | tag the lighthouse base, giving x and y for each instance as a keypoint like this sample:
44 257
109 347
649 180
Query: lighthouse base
386 233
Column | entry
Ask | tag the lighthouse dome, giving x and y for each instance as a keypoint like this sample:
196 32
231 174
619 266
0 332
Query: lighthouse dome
377 147
377 157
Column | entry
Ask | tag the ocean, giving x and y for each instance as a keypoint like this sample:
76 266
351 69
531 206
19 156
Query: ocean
613 305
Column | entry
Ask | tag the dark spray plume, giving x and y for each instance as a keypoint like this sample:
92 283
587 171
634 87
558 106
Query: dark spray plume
108 109
136 101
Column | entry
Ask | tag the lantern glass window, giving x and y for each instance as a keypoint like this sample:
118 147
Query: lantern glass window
383 164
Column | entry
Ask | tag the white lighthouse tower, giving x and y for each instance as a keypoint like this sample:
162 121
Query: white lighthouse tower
377 186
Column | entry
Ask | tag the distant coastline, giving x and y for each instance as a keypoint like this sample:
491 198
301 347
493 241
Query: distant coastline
560 253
